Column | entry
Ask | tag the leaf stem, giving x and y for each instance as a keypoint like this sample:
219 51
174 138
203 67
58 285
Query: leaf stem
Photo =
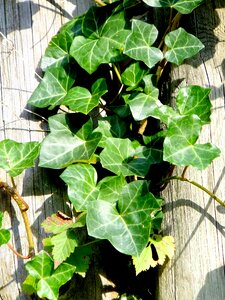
212 195
100 2
23 206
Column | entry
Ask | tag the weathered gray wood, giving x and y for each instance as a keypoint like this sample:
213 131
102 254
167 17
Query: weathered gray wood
196 221
26 27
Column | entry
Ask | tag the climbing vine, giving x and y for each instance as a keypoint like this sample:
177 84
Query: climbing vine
103 72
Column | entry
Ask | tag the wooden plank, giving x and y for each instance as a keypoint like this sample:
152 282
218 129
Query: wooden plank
195 220
26 28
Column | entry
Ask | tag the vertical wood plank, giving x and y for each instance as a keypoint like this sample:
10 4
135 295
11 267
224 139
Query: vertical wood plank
195 220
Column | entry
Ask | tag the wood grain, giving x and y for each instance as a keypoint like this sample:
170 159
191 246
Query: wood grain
194 219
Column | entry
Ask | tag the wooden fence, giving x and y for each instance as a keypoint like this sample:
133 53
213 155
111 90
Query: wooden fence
197 223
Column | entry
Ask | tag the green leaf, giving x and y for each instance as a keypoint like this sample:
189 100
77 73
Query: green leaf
57 52
81 100
127 224
112 126
110 188
133 75
181 45
139 42
164 247
62 147
44 279
194 100
30 285
64 244
73 27
16 157
81 180
183 6
57 223
52 89
102 42
179 145
4 236
120 157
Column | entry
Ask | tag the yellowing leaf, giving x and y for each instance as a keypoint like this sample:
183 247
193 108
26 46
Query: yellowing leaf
164 246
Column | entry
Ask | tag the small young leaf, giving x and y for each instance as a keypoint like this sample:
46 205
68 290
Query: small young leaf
139 42
4 236
194 100
101 43
81 180
64 244
181 45
179 145
133 75
164 247
127 224
62 148
16 157
52 89
183 6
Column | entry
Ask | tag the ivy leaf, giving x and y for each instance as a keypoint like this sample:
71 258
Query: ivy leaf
30 285
120 157
164 247
127 224
81 180
181 45
183 6
4 233
81 100
52 89
57 52
110 188
133 75
179 145
139 42
41 270
57 223
64 244
16 157
101 43
194 100
62 147
111 126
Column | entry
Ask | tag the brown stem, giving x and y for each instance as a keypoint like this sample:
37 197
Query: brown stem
184 171
23 206
17 253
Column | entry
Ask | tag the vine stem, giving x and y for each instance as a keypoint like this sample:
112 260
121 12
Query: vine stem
23 206
211 194
100 2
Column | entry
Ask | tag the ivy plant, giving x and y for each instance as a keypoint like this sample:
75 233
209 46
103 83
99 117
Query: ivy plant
106 68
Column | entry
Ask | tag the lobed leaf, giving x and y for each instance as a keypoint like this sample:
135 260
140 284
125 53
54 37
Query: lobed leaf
133 75
52 89
16 157
179 145
194 100
181 45
62 147
183 6
102 42
127 224
139 43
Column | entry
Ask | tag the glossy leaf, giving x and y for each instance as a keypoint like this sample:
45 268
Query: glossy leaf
164 247
120 157
133 75
4 233
62 147
127 224
30 285
181 45
64 244
194 100
79 99
183 6
81 180
139 43
101 43
41 269
180 146
16 157
52 89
